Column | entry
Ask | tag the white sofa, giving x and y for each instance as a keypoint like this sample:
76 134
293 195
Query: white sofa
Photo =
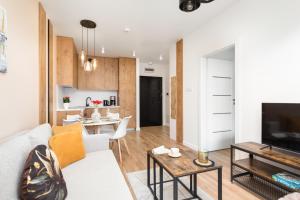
95 177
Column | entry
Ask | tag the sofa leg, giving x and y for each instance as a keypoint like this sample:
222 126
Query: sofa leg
120 153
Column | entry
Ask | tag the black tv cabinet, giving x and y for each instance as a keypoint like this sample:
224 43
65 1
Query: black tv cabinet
255 172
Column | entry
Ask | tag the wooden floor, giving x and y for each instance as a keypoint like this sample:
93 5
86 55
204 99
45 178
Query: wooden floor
151 137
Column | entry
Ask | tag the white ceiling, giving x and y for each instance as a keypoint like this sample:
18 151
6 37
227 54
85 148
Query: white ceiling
155 24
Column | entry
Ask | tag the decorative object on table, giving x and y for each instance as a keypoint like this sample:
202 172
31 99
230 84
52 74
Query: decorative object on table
88 63
174 153
42 177
287 179
96 115
66 101
3 39
113 116
160 150
203 160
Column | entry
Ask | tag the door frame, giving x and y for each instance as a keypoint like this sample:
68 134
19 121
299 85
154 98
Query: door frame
202 95
163 106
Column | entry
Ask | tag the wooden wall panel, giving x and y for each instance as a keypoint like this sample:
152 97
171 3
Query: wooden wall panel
173 97
179 84
127 89
42 65
51 75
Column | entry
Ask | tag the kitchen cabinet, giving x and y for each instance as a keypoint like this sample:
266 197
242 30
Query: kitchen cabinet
67 62
127 89
105 77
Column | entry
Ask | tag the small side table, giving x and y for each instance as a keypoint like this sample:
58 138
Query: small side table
178 168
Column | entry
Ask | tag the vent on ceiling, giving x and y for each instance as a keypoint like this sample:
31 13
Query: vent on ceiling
149 69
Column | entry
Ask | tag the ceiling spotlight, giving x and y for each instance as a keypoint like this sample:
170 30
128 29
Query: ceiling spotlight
127 30
161 57
191 5
103 50
133 53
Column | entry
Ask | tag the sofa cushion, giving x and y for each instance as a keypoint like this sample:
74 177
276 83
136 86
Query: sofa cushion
76 127
40 135
68 147
96 176
42 177
13 154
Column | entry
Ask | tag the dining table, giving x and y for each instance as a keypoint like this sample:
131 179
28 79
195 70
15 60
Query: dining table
88 123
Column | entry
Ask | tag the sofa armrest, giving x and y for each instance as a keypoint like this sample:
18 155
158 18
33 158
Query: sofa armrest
94 143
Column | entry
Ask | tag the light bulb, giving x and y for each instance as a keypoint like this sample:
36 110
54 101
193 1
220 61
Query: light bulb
88 66
133 53
161 57
82 57
103 50
94 64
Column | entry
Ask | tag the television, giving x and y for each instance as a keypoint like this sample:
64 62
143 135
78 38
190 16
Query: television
281 125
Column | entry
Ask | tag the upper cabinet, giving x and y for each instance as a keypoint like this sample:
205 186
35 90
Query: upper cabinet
105 77
67 62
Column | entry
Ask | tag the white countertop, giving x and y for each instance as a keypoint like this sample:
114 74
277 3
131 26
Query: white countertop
79 108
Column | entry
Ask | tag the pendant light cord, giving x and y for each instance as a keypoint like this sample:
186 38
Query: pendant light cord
94 43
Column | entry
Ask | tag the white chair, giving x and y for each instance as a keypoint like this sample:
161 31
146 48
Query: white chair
120 134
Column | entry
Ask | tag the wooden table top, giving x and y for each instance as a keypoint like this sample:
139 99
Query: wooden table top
182 166
277 155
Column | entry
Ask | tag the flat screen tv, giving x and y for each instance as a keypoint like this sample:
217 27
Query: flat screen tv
281 125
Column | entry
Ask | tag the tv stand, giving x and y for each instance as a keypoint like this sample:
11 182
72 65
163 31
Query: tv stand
255 172
266 146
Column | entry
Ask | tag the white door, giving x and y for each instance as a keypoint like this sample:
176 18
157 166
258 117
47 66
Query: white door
220 104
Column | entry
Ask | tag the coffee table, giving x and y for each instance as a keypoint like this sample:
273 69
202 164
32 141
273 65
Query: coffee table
178 168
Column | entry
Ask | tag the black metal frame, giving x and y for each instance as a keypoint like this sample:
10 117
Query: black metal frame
192 188
253 182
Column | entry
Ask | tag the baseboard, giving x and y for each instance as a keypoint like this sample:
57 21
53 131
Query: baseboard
138 129
192 146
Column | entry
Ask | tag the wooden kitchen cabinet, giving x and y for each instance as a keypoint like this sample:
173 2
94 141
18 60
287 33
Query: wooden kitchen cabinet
67 62
127 89
105 77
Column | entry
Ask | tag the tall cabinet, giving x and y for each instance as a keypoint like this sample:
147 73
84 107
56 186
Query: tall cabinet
67 62
127 89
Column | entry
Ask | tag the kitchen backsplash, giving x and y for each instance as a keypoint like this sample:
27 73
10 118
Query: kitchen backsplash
78 96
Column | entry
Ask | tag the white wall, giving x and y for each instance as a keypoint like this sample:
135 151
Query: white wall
268 45
78 97
160 70
19 86
172 72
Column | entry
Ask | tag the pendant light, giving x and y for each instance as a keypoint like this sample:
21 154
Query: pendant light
191 5
88 63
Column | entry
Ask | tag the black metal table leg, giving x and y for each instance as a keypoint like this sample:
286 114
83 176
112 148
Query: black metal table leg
191 182
154 179
195 185
175 189
231 162
220 184
148 170
161 184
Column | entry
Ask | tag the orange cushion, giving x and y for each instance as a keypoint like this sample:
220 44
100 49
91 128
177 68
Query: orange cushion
68 147
77 127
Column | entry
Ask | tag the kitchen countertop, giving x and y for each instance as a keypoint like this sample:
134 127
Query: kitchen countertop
79 108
